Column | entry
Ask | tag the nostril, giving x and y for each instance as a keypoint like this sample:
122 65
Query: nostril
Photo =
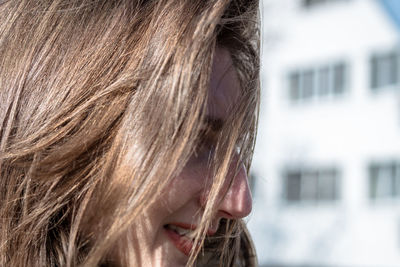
226 215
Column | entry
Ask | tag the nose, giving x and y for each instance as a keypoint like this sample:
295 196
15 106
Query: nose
237 201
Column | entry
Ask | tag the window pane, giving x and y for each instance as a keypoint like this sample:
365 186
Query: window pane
339 78
309 186
384 70
374 73
294 86
384 182
392 173
308 84
393 68
397 180
293 181
323 81
327 185
373 181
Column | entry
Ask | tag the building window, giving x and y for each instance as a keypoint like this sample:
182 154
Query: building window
384 180
313 3
384 70
317 83
311 185
310 3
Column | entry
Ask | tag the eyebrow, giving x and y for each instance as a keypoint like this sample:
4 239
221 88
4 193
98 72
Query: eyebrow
215 124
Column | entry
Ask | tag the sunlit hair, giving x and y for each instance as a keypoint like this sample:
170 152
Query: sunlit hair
102 103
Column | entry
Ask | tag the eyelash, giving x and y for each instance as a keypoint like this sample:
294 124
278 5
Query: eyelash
206 143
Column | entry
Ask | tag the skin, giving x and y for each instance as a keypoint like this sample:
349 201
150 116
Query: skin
184 201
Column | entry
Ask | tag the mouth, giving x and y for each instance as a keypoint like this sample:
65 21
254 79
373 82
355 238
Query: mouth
182 236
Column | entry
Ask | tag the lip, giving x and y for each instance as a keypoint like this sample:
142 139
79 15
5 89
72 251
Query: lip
192 227
182 243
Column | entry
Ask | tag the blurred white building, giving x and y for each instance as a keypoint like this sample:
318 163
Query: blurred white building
327 160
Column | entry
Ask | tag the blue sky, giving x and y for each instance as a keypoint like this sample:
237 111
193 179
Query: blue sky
392 7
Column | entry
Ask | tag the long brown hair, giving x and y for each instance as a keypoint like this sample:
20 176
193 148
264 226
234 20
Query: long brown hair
98 100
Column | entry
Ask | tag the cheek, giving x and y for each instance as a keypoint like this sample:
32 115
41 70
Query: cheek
186 187
196 173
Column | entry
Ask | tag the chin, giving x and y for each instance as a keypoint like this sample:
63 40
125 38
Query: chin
167 255
170 260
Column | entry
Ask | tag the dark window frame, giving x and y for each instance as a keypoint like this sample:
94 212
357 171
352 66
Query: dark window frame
320 82
384 180
384 70
308 185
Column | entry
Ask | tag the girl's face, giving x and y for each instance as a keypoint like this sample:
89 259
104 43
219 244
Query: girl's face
161 238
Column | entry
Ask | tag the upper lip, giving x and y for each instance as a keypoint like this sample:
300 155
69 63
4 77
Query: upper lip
210 232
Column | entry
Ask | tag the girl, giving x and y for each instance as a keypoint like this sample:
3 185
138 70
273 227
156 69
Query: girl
126 131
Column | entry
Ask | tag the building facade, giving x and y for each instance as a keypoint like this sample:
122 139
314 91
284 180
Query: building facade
327 161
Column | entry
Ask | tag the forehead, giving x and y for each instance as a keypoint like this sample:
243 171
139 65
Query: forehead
224 88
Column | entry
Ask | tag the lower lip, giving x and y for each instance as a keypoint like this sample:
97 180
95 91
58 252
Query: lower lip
180 242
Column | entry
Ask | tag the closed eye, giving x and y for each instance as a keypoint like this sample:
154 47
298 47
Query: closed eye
208 137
